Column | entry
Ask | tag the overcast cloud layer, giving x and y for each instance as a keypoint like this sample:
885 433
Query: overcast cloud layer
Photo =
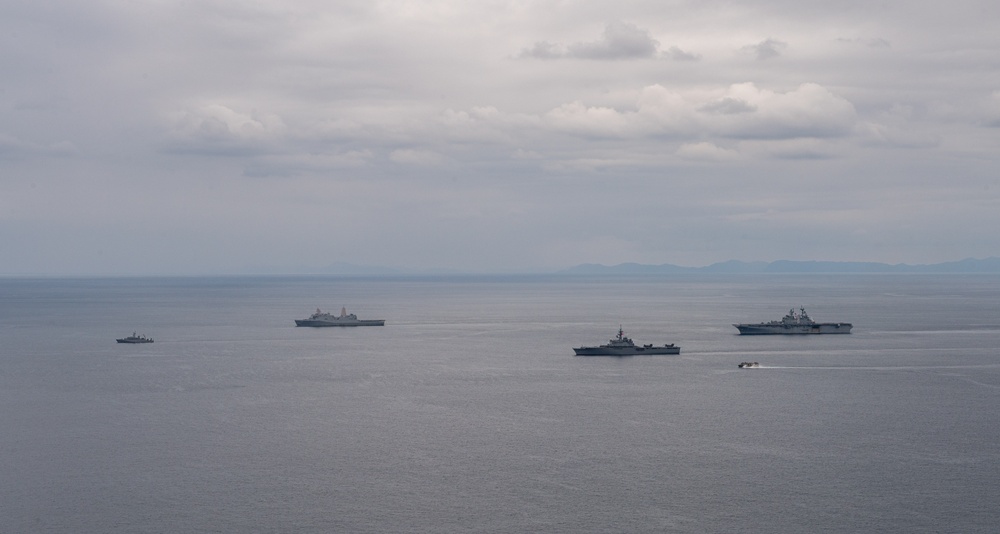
211 136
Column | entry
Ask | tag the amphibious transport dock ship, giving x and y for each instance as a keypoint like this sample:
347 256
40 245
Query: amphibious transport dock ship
794 323
345 319
623 346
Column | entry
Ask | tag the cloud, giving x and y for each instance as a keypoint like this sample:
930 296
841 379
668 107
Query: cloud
991 115
766 49
697 123
482 124
218 129
810 110
589 164
621 40
897 127
298 164
706 151
591 121
791 149
895 136
676 54
728 106
416 157
543 50
13 148
275 146
874 42
44 103
523 154
362 106
741 111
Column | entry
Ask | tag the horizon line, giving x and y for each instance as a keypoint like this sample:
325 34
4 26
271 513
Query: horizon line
344 269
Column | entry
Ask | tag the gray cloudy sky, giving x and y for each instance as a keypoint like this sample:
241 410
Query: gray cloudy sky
220 136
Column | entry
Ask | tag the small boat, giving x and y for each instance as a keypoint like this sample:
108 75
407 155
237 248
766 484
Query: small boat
133 339
748 365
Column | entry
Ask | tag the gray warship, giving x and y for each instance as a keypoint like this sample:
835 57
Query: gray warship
135 339
344 319
623 346
793 323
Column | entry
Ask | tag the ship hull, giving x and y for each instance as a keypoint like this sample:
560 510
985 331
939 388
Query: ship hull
134 341
788 330
626 351
359 322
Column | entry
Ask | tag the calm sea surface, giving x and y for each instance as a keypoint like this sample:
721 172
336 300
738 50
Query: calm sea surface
468 412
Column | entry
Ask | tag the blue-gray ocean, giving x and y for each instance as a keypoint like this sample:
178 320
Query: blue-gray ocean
467 411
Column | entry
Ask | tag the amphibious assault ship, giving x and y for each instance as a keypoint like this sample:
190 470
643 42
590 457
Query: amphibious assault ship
623 346
794 323
345 319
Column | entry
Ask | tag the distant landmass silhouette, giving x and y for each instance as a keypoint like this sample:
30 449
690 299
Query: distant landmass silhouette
969 265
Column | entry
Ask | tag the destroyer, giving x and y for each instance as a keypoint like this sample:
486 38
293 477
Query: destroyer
135 339
794 323
345 319
623 346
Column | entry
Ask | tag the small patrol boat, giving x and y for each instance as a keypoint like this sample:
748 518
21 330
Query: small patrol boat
134 339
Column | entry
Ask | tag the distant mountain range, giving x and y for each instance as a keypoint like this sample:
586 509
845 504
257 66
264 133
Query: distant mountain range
970 265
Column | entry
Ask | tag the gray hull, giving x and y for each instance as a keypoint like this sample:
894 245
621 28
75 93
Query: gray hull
819 328
626 351
359 322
